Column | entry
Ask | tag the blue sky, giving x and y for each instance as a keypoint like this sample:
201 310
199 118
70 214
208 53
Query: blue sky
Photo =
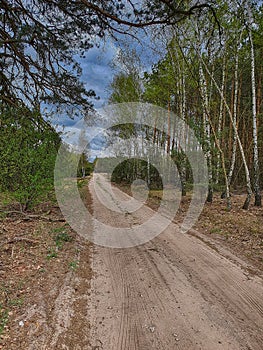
97 73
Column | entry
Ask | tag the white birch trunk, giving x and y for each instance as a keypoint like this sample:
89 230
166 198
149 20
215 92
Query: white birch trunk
248 180
207 131
254 116
234 150
220 119
247 174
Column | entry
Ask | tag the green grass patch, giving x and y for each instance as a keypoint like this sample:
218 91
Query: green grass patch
216 230
73 265
3 319
15 302
52 253
61 235
62 238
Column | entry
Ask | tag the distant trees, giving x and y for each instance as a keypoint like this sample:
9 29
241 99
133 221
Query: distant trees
85 167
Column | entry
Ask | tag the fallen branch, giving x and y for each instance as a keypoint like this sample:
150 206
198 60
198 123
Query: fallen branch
41 217
32 216
21 239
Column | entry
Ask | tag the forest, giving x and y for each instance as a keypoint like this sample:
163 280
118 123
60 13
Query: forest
209 73
211 76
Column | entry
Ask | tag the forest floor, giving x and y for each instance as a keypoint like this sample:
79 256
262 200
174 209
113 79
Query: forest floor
46 274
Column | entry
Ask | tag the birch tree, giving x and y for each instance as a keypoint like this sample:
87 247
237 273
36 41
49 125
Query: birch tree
254 111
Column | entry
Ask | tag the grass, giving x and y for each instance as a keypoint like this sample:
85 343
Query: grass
216 230
73 265
61 235
3 319
61 238
52 254
82 182
15 302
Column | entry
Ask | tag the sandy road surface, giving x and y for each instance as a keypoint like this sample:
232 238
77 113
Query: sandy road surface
174 292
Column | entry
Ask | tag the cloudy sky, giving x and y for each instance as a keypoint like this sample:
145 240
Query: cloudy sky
97 73
97 66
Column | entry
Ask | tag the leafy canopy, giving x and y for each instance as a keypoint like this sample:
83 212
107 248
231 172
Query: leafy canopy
40 39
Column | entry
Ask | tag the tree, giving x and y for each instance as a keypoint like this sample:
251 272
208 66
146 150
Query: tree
125 88
221 89
40 38
258 201
84 166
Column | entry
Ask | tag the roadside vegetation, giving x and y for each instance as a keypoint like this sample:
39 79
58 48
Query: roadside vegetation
35 241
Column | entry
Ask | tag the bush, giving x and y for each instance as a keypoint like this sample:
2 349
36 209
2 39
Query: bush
28 149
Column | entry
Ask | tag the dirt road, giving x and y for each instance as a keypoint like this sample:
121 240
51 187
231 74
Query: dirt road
174 292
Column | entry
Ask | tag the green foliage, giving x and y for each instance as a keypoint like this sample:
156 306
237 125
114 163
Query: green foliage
132 169
85 167
72 164
61 238
52 253
3 319
160 83
105 165
16 302
125 88
28 149
74 265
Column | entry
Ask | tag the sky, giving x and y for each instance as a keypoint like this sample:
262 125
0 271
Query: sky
98 71
97 74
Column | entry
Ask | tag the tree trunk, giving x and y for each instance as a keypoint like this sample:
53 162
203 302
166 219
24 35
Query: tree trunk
168 146
257 193
235 100
220 119
179 76
248 181
207 131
